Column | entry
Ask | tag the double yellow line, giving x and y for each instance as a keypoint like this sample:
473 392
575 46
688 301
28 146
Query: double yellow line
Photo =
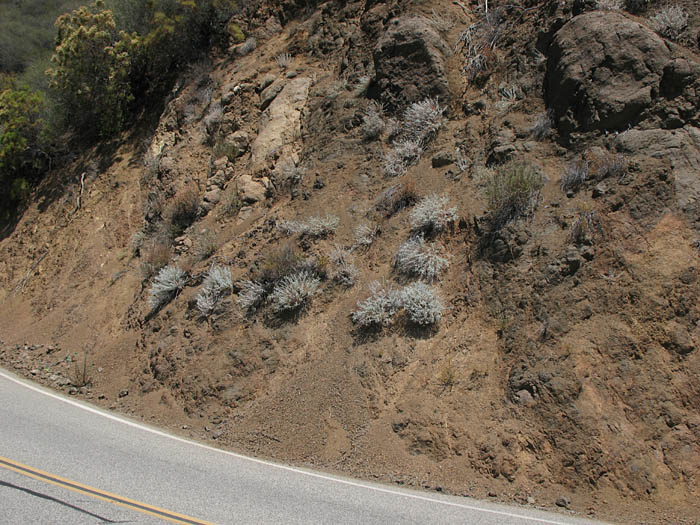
99 494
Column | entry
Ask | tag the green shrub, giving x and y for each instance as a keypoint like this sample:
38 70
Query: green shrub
512 192
91 69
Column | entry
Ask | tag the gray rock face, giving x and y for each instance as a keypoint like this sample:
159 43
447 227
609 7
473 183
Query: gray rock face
604 70
409 61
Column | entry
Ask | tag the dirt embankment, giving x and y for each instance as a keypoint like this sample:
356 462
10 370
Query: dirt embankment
564 368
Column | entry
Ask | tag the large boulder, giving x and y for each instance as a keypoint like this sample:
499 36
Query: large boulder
409 62
603 72
280 125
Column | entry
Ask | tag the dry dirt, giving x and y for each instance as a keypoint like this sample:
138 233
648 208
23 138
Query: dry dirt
559 371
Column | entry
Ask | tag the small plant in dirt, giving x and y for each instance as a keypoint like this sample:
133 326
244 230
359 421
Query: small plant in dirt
278 263
294 292
168 283
417 258
314 227
421 304
432 214
404 154
252 295
231 202
183 210
345 273
373 122
397 198
447 377
379 309
608 164
575 174
478 42
671 22
154 257
217 284
585 226
80 376
283 60
248 46
205 244
365 235
512 192
542 127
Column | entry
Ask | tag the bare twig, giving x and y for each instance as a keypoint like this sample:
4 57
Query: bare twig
20 286
78 204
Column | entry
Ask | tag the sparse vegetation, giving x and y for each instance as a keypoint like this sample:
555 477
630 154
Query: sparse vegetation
608 164
401 156
315 227
670 22
478 41
586 224
252 295
512 191
365 234
575 174
80 375
398 197
248 46
217 284
345 273
168 283
294 291
379 308
418 258
284 60
542 128
183 210
433 214
154 258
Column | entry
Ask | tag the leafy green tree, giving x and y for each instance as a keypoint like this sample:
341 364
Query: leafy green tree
23 152
91 69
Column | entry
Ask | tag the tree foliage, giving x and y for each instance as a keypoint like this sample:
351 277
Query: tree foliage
91 69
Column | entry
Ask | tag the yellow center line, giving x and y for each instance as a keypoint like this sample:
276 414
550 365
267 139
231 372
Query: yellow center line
99 494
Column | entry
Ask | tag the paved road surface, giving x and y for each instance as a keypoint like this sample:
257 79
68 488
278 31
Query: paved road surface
89 458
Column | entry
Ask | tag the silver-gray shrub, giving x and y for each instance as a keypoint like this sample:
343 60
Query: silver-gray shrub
344 272
422 120
252 295
311 226
373 122
216 285
167 284
294 291
542 127
418 258
404 153
365 234
421 304
670 22
379 308
248 46
284 60
432 214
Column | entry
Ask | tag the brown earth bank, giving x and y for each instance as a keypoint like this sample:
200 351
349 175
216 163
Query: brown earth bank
564 370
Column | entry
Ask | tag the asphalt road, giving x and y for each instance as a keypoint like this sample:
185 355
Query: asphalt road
83 452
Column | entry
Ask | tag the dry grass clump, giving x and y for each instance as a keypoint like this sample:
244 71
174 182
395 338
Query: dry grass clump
294 291
418 301
478 42
155 256
284 60
417 258
183 210
671 22
217 284
168 283
585 226
433 214
512 191
608 164
398 197
315 227
366 234
542 127
345 273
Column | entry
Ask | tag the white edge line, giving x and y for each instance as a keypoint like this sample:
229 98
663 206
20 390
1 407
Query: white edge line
268 463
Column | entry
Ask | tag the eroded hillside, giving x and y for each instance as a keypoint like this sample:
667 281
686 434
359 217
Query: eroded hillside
562 367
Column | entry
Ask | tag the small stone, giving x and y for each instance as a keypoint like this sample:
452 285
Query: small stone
530 500
443 158
123 393
563 502
213 196
34 372
319 184
599 190
492 494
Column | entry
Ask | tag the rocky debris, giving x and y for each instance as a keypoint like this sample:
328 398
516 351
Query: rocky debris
183 244
603 72
280 125
409 62
249 190
563 502
270 93
678 339
442 159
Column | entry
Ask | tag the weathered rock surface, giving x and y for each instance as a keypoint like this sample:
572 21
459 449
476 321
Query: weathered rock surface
280 124
604 71
409 61
250 190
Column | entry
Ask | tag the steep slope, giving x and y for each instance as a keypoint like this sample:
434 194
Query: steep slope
564 367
